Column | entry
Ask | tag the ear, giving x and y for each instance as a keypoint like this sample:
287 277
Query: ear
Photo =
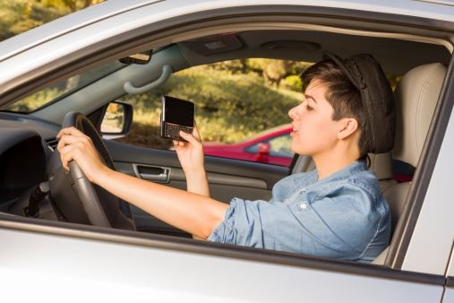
348 126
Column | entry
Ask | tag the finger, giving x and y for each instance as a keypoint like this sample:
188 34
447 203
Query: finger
66 156
68 135
195 132
177 143
67 139
188 137
64 140
72 131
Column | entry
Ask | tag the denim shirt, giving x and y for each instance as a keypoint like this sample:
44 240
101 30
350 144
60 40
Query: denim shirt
342 216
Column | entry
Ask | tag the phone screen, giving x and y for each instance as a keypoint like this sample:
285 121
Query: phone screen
177 111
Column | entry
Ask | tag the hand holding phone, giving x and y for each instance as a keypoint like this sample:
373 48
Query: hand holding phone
177 114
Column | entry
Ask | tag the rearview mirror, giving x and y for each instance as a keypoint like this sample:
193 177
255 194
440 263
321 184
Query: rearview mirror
139 58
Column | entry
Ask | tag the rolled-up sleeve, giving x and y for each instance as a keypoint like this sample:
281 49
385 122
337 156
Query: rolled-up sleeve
242 224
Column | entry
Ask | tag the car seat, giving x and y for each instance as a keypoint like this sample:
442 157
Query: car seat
382 166
416 97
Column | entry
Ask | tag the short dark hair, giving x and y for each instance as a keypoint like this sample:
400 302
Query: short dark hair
343 96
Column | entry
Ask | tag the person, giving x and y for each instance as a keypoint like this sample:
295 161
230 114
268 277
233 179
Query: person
334 211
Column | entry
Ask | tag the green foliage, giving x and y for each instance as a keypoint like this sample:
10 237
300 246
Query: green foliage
294 81
232 66
271 71
393 80
70 5
21 15
15 16
35 100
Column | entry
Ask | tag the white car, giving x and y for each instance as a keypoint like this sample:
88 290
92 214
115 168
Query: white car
60 247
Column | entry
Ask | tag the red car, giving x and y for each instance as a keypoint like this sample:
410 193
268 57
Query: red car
271 146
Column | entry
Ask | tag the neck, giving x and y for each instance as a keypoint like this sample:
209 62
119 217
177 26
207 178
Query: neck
329 163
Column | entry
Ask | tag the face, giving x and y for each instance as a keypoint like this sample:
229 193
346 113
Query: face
314 130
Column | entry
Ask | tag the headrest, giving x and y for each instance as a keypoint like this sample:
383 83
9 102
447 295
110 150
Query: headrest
416 98
368 77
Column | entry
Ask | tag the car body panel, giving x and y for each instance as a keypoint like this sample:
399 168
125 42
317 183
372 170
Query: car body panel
45 257
220 279
448 296
243 150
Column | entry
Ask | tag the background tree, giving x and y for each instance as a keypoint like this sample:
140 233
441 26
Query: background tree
71 5
17 16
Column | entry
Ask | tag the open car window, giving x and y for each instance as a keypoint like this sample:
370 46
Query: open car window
240 108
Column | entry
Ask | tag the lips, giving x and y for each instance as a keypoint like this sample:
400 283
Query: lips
294 130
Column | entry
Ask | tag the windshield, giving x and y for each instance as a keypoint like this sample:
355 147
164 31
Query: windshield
52 93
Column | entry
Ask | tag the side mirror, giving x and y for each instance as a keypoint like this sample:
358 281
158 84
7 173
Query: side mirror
117 120
263 152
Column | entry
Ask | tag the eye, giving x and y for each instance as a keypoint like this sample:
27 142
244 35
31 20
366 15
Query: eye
308 107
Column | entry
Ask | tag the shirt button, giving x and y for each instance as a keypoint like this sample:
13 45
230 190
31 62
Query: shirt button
303 205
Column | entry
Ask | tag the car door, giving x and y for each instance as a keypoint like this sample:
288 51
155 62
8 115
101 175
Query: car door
75 261
227 178
93 264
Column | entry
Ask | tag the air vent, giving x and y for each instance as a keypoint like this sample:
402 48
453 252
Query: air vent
52 143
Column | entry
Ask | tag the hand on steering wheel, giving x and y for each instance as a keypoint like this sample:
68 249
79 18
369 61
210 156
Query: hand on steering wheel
77 199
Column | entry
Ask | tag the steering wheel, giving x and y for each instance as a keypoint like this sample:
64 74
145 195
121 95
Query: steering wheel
78 200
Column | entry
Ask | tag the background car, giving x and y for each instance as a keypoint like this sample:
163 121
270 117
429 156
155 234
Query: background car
271 146
61 241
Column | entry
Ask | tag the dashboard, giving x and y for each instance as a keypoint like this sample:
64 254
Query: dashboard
24 153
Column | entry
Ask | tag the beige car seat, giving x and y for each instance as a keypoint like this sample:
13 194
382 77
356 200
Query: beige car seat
416 97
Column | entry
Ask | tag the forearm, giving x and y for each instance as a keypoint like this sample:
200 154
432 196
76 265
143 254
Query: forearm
198 183
191 157
192 212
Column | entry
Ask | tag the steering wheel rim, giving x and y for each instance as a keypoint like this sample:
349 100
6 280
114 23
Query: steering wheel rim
77 199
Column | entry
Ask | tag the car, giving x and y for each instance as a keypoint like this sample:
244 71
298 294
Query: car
63 240
271 146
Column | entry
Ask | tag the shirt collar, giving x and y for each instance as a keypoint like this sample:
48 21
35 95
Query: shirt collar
349 170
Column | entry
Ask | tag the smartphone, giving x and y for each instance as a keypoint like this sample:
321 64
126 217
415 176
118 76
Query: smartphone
176 115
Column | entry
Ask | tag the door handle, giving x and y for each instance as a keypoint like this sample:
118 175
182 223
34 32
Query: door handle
152 173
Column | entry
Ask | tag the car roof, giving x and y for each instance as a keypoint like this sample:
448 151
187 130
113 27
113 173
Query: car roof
430 9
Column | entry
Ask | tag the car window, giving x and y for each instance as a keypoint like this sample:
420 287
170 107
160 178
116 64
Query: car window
54 92
278 146
234 100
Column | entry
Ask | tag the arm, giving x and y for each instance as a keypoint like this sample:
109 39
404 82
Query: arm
193 213
190 155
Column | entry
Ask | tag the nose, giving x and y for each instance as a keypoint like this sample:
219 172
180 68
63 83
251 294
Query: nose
293 113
